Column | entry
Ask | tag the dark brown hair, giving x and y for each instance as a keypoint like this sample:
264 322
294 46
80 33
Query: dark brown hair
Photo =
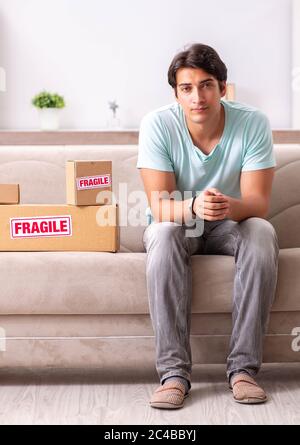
198 56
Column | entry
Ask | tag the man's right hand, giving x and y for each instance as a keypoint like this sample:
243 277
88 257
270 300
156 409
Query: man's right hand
211 205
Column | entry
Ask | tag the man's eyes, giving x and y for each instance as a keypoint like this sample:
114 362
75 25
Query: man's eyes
204 85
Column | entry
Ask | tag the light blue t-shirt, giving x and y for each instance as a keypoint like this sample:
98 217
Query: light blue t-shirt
246 144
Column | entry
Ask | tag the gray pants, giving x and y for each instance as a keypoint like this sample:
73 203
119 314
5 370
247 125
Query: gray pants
253 243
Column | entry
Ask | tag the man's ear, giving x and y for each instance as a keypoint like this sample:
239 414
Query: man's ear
223 88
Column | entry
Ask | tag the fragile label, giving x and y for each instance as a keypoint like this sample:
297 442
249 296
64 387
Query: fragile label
93 182
40 226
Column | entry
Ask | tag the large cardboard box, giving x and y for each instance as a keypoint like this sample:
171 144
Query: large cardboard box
59 227
84 181
9 194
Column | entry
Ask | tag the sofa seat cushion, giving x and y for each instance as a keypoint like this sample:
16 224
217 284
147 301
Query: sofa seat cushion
115 283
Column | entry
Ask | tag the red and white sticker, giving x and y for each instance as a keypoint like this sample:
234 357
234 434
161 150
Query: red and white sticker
40 226
93 182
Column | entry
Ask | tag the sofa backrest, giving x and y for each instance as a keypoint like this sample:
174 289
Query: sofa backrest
284 212
40 171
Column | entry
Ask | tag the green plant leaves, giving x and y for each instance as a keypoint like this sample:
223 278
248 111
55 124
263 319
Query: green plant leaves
48 100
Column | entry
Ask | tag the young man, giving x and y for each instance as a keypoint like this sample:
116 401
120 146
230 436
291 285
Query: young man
221 152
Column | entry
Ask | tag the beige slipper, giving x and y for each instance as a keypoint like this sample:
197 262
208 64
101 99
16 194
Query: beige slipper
246 390
169 396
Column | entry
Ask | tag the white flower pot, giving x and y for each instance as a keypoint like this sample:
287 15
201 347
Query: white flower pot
49 118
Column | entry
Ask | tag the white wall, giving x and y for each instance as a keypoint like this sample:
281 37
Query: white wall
92 51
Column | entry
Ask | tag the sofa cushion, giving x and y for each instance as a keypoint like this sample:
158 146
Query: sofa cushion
284 212
115 283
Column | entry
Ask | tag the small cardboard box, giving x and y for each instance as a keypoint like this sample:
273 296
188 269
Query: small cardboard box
89 182
59 227
9 194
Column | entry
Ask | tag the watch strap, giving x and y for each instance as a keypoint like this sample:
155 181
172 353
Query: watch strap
192 205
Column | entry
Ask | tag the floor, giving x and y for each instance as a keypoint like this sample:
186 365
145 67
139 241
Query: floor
91 397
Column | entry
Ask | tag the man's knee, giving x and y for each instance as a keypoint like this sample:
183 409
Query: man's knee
163 232
260 235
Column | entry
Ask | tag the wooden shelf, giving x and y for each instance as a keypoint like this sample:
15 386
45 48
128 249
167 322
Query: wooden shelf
68 137
103 137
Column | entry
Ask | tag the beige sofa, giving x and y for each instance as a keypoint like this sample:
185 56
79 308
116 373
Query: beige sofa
90 309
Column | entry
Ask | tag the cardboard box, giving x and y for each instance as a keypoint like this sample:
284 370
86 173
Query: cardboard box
59 227
9 194
84 181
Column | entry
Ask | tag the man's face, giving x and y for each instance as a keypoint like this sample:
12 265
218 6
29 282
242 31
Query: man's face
199 94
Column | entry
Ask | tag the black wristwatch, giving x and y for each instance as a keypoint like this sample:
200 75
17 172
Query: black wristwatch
191 205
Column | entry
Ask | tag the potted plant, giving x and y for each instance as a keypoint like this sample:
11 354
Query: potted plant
48 105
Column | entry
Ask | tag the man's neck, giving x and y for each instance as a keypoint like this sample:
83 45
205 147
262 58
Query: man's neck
210 131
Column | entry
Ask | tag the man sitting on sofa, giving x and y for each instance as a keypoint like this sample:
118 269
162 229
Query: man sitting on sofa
222 153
